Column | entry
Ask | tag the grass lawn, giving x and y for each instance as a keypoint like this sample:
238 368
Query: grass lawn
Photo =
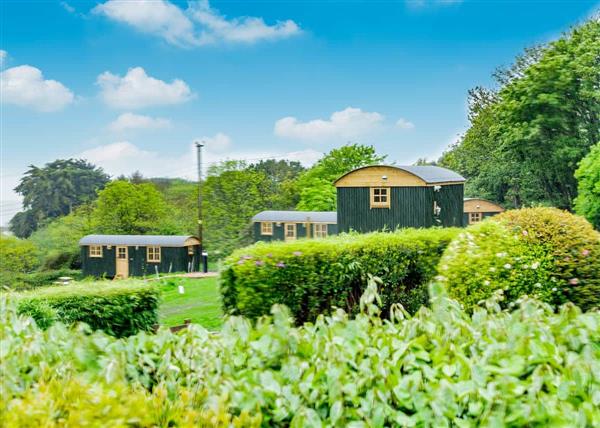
200 302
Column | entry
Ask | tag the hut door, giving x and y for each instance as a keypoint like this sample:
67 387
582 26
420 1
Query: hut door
290 231
122 263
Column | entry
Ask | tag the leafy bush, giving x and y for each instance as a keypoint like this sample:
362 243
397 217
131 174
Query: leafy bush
17 255
312 276
442 367
544 252
587 202
29 281
118 308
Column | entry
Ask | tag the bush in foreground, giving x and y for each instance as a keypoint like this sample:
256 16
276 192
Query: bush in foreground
442 367
119 308
312 276
543 252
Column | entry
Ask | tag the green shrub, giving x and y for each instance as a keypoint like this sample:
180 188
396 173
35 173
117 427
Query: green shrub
17 255
528 367
544 252
312 276
119 308
29 281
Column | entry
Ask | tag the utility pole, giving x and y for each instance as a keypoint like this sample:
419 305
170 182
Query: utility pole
199 146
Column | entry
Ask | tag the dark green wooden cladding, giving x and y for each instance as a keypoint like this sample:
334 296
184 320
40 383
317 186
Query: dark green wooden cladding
409 207
278 231
172 259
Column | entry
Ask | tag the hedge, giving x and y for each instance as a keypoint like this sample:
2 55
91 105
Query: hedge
528 367
312 276
119 308
37 279
546 253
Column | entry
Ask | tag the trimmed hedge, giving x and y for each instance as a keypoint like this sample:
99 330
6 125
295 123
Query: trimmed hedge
312 276
529 367
546 253
120 308
30 281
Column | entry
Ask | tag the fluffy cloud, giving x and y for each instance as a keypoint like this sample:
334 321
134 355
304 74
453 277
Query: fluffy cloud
3 56
404 124
218 143
423 3
128 121
348 123
25 86
124 158
198 25
136 90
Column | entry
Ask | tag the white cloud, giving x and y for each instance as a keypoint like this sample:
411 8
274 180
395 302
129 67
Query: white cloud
198 25
136 90
3 56
404 124
25 86
124 158
215 27
128 121
217 143
348 123
66 6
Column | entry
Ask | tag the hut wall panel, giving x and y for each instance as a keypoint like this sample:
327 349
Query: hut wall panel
409 207
450 199
96 266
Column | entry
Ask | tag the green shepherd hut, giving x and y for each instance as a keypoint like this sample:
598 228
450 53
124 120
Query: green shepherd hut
388 197
290 225
121 256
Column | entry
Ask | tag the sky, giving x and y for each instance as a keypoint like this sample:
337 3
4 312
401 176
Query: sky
130 85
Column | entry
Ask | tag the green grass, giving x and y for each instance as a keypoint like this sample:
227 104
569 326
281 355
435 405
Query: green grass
201 302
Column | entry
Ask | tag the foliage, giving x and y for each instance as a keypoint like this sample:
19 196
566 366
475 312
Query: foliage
527 137
29 281
118 308
543 252
55 190
17 255
127 208
317 192
442 367
587 203
58 240
312 276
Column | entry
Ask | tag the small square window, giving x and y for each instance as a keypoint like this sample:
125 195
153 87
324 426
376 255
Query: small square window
266 228
474 217
153 254
190 250
320 230
380 197
95 250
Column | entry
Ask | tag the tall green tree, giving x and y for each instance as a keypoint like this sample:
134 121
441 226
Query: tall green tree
282 176
316 189
526 138
55 190
587 203
232 197
126 208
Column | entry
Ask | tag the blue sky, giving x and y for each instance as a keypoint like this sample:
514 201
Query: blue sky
130 85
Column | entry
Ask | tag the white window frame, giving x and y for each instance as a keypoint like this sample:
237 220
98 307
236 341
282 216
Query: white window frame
154 250
266 228
321 230
376 194
93 253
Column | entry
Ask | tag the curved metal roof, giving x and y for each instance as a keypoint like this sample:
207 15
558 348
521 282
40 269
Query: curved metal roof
130 240
428 173
297 216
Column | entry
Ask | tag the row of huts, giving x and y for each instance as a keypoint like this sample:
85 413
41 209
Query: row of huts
368 199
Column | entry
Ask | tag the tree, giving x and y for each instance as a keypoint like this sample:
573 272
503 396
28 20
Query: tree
317 192
587 203
55 190
231 199
17 255
282 176
526 138
126 208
